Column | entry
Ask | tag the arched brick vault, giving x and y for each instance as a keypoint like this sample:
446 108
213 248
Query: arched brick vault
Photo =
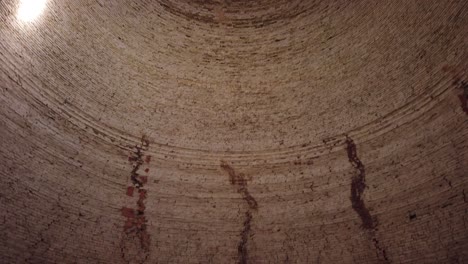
269 131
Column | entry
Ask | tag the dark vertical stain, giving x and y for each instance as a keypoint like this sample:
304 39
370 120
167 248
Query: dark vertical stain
137 160
242 247
382 251
358 185
240 182
135 228
464 97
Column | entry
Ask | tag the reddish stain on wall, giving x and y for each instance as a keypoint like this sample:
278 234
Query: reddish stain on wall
143 179
135 223
148 159
130 190
127 212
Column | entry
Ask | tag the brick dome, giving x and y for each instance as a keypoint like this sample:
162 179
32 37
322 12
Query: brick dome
222 131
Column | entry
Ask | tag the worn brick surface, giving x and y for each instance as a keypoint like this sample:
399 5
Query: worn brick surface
268 131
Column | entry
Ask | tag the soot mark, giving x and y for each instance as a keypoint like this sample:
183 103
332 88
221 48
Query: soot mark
240 182
358 185
135 227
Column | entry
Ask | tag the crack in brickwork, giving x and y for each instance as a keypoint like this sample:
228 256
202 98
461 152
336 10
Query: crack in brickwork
135 243
40 240
240 182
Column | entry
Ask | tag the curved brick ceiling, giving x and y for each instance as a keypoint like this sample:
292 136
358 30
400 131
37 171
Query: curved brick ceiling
269 131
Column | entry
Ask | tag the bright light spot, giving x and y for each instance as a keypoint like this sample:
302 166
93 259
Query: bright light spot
29 10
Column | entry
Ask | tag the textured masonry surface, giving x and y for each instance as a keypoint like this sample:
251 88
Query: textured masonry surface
268 131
